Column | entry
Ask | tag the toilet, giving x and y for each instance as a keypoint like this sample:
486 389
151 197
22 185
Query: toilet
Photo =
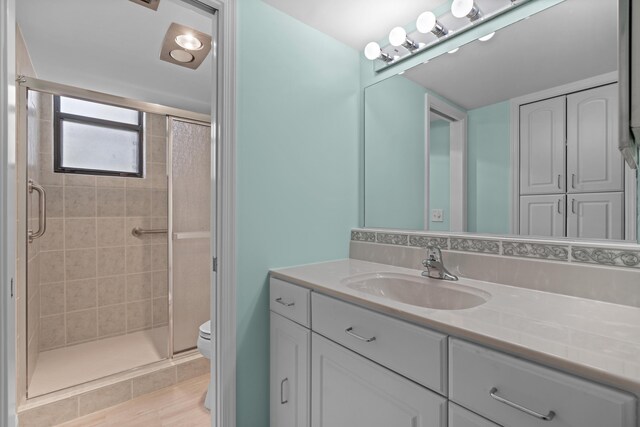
204 346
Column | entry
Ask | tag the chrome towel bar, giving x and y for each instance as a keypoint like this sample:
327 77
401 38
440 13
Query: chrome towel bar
139 232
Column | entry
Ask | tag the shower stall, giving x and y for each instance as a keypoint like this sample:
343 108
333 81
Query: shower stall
115 215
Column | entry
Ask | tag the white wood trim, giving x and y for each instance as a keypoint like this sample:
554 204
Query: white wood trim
7 213
223 209
457 162
427 164
630 203
514 120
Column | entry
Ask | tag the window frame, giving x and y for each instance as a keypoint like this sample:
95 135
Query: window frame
59 117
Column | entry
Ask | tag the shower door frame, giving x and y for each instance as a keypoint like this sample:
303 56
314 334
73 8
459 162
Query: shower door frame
56 89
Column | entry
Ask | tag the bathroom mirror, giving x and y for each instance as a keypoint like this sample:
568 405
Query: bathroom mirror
514 133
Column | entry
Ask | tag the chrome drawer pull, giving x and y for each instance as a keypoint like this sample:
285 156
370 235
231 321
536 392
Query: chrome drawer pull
349 331
286 304
547 417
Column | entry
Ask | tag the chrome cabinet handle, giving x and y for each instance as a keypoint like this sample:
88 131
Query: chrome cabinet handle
559 183
573 180
559 202
349 331
282 399
573 205
42 211
286 304
550 415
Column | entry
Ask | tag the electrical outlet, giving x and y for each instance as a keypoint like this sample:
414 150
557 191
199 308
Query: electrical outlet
437 215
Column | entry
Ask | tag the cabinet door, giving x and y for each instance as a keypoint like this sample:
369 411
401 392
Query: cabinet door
594 162
290 374
351 391
596 215
543 215
542 147
460 417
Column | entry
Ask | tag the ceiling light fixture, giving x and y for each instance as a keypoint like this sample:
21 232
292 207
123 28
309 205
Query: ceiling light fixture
372 52
189 42
428 23
454 50
487 37
398 37
185 46
468 8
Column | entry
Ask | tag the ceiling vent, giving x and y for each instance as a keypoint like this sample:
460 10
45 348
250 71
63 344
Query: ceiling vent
151 4
185 46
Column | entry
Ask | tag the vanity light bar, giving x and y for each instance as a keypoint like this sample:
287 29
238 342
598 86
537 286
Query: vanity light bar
427 22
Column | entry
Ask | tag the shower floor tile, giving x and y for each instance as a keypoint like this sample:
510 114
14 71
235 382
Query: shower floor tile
78 364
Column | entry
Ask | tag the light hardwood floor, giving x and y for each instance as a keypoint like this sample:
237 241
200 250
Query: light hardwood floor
179 406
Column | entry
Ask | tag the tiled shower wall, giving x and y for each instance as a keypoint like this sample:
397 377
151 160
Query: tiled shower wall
97 280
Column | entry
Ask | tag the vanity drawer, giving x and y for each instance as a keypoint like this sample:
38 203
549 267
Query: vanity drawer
416 353
460 417
476 372
290 301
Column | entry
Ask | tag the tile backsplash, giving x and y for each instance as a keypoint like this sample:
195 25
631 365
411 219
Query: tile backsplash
97 279
606 254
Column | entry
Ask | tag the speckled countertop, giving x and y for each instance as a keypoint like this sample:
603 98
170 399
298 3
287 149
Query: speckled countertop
596 340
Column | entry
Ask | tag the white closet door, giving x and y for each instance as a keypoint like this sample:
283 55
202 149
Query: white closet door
543 215
594 162
542 147
595 215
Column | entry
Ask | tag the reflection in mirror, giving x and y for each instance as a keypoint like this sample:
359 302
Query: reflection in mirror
538 156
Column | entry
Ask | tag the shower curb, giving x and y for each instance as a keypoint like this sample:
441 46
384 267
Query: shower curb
67 405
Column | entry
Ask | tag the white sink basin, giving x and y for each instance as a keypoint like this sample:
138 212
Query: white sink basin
418 291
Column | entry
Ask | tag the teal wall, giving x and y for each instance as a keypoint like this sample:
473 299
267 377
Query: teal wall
297 178
439 173
488 169
394 154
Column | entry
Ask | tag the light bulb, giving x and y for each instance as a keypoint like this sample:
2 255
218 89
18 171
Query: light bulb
426 22
372 51
487 37
397 36
461 8
454 50
189 42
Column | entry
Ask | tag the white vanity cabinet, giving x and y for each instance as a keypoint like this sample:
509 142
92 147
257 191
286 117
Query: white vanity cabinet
336 364
349 390
514 392
290 346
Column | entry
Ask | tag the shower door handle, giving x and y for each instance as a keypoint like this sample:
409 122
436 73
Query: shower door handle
42 211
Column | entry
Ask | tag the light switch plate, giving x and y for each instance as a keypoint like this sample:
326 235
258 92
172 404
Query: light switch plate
437 215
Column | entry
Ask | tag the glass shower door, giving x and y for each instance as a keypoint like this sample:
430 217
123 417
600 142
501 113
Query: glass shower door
190 201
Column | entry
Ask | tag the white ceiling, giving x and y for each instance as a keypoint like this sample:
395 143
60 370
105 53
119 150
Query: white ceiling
355 22
571 41
113 46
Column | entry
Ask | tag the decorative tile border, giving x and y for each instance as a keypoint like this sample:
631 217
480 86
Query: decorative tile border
392 239
474 245
617 255
605 256
363 236
535 250
424 241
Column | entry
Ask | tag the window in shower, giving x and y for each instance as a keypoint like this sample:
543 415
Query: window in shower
97 139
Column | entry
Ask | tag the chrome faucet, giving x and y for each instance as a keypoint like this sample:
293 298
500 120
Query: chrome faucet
435 267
